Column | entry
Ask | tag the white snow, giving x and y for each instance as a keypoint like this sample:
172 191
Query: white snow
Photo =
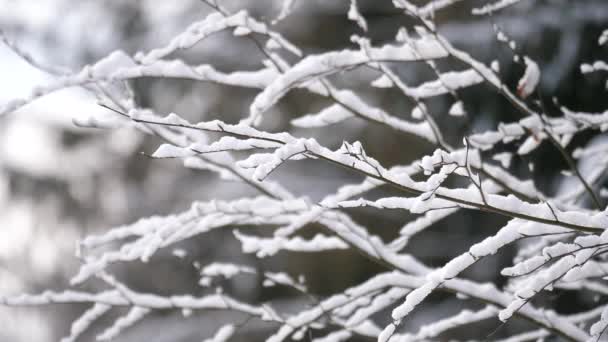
527 84
329 115
354 15
457 109
316 66
382 82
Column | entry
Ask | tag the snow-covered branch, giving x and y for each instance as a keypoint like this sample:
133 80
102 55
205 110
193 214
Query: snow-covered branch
559 241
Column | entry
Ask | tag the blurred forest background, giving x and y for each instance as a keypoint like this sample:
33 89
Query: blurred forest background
59 183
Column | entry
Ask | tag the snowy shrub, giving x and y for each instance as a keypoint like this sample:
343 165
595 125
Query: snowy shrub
554 239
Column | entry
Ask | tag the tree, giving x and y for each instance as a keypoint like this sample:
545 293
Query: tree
555 237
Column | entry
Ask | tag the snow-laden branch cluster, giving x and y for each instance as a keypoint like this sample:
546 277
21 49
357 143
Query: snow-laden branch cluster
560 240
